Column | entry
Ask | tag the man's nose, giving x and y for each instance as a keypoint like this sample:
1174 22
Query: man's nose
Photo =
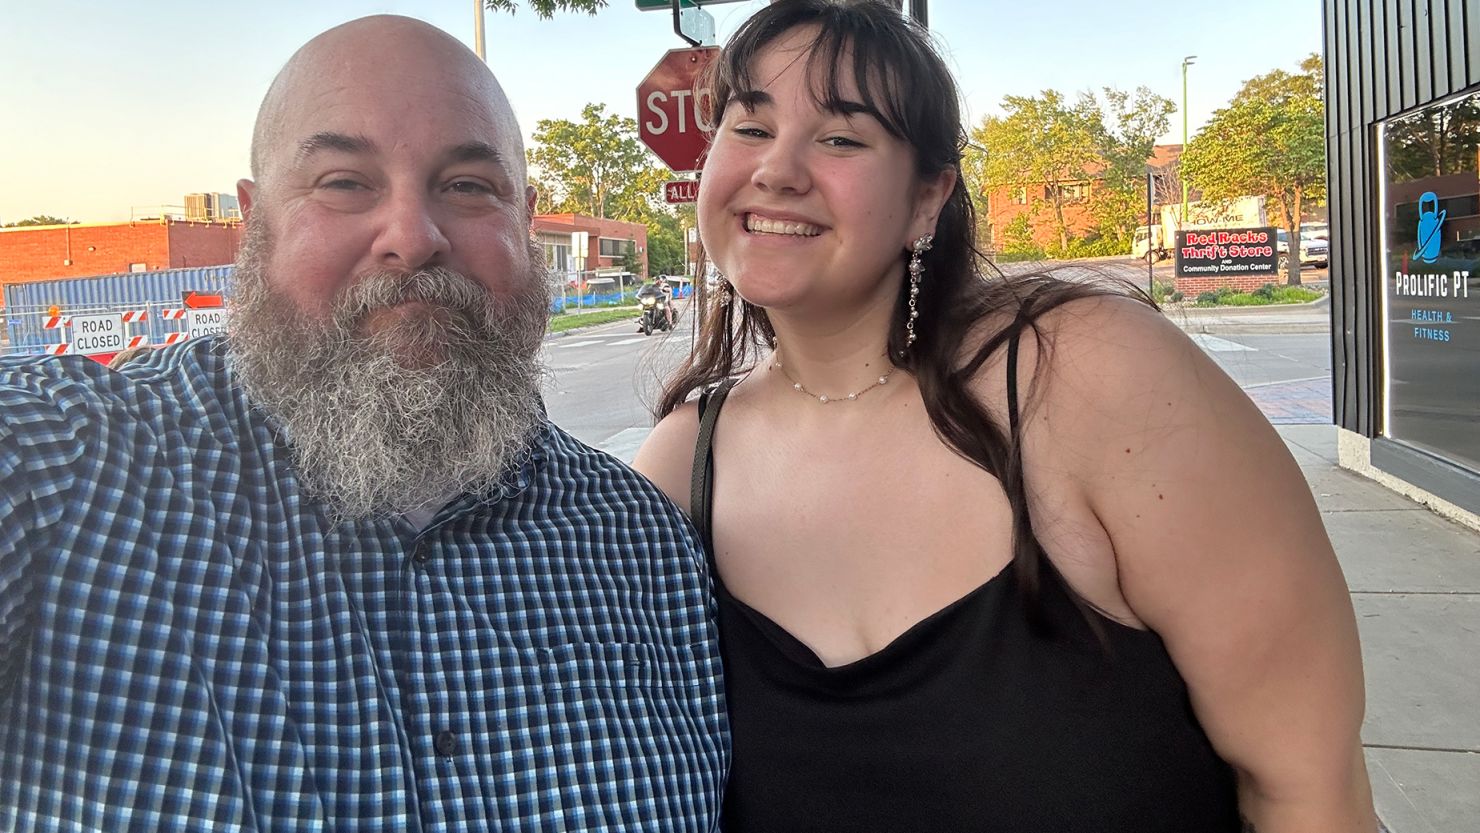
411 234
782 168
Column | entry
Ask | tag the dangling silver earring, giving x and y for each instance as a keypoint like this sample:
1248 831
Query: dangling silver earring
921 246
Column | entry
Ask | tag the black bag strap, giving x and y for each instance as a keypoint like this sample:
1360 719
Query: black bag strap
701 486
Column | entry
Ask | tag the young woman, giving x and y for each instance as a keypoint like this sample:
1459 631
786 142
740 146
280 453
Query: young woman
990 554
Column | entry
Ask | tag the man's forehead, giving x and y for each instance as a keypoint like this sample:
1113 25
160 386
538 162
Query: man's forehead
384 79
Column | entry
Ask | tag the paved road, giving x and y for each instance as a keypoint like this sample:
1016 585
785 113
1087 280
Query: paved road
602 381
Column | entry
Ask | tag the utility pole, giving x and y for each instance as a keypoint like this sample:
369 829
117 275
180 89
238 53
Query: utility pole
1186 62
478 31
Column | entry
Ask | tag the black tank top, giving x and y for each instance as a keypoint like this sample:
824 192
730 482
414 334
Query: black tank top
970 721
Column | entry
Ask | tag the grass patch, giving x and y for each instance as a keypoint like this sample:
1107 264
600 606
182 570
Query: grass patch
1263 296
561 322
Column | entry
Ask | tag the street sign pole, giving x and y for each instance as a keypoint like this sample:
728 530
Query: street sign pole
919 12
1150 243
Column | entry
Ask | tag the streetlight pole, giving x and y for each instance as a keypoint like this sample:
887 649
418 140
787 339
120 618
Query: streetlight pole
1186 62
478 31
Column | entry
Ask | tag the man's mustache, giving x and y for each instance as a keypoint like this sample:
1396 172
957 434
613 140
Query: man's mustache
434 286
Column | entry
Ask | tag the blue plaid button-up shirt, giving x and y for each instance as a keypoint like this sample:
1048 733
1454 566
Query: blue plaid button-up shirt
187 642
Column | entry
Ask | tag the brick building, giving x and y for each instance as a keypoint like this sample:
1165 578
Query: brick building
1005 203
38 253
607 243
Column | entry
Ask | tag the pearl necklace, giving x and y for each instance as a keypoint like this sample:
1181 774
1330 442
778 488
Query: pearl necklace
822 397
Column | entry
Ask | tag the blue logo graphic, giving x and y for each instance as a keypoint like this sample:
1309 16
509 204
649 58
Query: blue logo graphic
1429 223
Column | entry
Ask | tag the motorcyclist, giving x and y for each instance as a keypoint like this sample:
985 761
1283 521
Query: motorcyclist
660 288
668 307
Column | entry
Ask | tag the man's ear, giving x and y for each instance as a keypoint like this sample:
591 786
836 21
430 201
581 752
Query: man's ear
531 196
246 192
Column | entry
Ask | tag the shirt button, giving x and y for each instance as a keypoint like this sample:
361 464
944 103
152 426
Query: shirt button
446 743
423 552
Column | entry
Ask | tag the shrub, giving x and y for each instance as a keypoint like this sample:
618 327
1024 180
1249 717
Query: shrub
1017 240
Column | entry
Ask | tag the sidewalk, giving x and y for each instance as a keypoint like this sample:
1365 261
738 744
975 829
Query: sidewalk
1415 584
1314 317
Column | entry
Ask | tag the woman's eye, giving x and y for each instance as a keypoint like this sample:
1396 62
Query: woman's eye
842 142
752 132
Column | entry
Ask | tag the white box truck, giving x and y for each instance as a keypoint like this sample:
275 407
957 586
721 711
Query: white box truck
1156 242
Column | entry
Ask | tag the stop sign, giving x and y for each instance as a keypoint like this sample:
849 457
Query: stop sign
672 116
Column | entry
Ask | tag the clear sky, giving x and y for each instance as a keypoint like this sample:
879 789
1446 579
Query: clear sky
105 107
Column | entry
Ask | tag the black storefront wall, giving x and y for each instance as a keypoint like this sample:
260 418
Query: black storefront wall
1387 61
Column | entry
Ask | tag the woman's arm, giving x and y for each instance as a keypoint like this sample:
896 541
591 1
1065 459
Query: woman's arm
1220 549
667 455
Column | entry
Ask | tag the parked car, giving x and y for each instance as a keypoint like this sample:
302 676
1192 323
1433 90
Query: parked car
1314 251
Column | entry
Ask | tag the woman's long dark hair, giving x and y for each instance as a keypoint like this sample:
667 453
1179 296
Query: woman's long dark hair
898 74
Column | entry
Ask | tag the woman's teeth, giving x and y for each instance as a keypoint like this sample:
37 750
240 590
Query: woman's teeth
764 226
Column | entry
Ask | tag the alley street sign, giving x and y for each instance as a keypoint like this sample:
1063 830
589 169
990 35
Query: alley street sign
683 190
673 117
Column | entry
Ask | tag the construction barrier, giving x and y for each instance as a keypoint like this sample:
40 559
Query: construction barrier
115 311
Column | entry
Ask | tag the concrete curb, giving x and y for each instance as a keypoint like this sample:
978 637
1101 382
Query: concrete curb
563 333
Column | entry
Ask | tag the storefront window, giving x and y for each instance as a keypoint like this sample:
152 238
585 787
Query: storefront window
1431 221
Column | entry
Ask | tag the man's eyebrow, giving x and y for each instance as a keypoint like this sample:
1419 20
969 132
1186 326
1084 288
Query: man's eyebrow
329 140
476 152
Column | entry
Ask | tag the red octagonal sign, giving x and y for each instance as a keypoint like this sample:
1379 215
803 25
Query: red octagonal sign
672 115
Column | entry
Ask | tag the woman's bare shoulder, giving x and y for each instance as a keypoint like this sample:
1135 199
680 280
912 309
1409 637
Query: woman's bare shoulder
667 455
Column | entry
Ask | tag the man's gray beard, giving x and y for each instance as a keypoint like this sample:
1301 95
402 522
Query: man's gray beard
370 435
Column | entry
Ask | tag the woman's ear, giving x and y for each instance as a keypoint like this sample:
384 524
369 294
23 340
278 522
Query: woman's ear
930 199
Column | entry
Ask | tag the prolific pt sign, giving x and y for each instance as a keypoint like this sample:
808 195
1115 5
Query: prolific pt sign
93 334
673 115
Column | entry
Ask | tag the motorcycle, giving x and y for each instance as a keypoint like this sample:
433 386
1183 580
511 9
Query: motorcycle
654 314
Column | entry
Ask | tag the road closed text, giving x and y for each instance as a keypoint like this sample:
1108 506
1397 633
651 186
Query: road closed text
97 334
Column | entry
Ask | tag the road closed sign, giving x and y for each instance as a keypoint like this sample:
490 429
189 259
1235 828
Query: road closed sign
92 334
206 322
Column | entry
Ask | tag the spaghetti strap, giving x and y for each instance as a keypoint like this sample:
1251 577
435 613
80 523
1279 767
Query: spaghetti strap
701 485
1012 393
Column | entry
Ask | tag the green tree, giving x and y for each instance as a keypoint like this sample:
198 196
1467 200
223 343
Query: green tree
1128 126
596 166
1435 141
1270 140
1041 140
547 8
666 245
41 220
1017 238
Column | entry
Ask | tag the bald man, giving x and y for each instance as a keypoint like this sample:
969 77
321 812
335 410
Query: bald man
338 571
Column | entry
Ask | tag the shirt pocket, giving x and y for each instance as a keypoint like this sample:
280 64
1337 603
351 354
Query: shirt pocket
635 732
628 666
